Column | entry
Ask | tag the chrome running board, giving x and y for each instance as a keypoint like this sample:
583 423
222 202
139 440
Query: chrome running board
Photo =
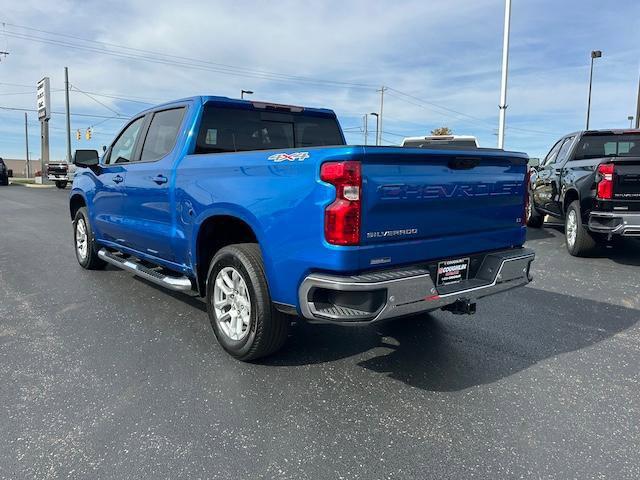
178 284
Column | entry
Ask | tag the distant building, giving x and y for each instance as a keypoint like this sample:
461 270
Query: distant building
19 166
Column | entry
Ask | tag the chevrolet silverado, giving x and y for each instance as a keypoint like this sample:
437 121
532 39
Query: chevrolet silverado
265 211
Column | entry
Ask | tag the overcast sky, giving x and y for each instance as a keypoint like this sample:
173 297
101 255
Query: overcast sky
442 60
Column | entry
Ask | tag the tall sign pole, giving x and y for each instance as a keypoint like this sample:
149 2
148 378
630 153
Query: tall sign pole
66 99
505 72
44 114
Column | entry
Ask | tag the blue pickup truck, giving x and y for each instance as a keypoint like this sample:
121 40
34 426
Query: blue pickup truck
265 211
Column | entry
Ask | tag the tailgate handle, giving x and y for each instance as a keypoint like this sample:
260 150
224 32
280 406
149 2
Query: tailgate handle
463 163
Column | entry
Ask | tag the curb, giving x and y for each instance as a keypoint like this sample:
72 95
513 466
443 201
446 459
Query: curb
32 185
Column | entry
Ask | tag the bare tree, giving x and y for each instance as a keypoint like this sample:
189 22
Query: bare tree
441 131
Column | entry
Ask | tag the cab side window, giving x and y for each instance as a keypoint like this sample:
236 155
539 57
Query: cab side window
551 156
162 134
122 149
564 150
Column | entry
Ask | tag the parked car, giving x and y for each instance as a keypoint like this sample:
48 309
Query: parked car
5 173
591 179
265 211
441 141
61 173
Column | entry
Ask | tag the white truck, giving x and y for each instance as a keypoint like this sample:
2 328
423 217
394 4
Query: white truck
441 141
61 173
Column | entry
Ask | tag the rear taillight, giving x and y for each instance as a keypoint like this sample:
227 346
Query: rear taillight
604 178
342 217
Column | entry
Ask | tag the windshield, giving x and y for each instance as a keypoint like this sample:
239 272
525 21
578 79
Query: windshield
609 145
233 129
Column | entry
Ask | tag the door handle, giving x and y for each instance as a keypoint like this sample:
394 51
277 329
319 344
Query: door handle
160 179
118 179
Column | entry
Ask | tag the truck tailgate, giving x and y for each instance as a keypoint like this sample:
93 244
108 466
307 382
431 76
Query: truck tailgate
438 195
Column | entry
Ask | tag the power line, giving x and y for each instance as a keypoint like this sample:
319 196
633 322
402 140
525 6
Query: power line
167 59
60 113
74 88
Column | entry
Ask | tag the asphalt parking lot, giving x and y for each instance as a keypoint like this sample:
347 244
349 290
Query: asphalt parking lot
106 376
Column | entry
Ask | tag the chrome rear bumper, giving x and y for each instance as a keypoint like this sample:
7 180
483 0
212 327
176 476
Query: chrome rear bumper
394 293
615 223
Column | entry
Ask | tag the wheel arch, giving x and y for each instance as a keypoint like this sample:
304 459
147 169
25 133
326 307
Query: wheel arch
217 230
570 196
76 202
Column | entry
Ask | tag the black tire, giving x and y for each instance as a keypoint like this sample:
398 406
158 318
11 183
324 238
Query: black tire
267 330
534 218
61 184
584 242
90 261
4 181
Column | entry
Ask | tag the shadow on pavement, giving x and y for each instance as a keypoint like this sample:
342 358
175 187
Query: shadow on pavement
453 353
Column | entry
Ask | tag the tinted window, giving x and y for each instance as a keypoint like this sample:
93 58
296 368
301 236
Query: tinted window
564 150
553 153
122 150
239 129
162 134
597 146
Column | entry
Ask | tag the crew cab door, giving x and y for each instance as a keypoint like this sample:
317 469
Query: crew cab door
149 208
547 185
107 204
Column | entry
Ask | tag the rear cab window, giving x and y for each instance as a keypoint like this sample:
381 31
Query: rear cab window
600 145
162 134
238 128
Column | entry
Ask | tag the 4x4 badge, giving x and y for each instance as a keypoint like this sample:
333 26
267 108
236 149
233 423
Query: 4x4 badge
291 157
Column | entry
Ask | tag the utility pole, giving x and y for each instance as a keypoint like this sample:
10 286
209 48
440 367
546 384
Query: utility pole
594 54
379 117
26 142
66 99
505 71
638 106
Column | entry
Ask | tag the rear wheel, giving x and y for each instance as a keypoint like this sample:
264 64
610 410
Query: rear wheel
61 184
239 304
4 180
85 246
580 242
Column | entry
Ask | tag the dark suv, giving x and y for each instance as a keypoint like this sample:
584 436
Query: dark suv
591 179
4 173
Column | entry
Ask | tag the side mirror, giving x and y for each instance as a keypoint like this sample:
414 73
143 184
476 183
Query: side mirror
85 158
9 173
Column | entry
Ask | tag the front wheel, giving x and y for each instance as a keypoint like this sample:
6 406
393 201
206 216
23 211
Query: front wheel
239 304
61 184
580 242
86 250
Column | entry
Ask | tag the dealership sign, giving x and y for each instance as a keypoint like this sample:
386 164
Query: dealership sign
44 99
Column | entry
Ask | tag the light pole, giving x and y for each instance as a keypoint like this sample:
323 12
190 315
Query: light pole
377 126
242 92
505 71
630 118
594 54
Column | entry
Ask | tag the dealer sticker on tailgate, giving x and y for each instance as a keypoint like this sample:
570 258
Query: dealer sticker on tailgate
452 271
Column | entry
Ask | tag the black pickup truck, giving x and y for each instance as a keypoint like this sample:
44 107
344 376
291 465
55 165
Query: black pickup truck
591 179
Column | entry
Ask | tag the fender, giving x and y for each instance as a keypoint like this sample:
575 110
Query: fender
241 213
